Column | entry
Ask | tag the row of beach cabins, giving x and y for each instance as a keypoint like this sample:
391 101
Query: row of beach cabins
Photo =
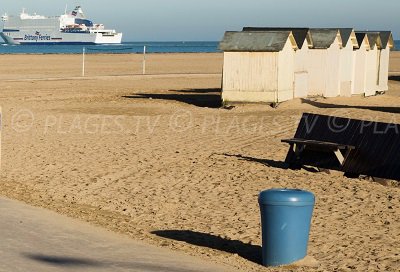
272 65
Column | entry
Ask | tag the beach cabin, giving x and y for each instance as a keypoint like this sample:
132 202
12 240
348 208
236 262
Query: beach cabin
301 56
347 60
258 66
360 64
387 43
324 75
372 64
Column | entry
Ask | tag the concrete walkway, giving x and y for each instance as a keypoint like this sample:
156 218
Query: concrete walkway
34 239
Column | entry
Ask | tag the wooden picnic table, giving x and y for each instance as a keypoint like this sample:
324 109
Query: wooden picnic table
341 151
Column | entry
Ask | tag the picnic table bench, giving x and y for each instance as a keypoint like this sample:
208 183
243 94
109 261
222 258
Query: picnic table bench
355 147
298 145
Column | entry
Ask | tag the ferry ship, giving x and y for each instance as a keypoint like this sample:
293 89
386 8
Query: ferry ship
69 28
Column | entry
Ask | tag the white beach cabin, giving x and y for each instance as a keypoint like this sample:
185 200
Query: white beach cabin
347 60
301 56
258 66
324 62
360 64
387 43
301 75
372 64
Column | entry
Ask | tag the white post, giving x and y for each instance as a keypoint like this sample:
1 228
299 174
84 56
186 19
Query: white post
83 61
144 60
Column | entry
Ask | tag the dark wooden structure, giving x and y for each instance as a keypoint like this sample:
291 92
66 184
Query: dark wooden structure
355 147
341 151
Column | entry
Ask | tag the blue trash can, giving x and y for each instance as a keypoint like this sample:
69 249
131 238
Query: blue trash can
285 223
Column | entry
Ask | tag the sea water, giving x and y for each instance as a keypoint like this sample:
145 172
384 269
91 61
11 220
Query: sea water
126 47
397 45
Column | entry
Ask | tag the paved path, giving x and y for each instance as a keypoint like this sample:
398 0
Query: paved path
34 239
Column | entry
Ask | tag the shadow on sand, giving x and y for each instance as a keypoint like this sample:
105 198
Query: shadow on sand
266 162
336 106
247 251
210 98
394 78
83 264
276 164
64 261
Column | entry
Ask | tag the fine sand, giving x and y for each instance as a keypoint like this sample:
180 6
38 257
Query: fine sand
155 158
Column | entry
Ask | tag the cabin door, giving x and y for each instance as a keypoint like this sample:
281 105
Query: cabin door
300 84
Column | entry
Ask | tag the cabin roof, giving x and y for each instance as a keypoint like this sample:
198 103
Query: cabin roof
373 38
256 41
386 39
361 36
299 33
383 39
346 36
322 38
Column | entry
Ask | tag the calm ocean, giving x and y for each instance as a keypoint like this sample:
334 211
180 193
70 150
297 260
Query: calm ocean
128 47
397 45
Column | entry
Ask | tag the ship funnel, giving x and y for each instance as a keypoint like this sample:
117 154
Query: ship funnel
78 12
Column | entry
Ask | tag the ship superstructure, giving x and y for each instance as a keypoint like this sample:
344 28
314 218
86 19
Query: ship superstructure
69 28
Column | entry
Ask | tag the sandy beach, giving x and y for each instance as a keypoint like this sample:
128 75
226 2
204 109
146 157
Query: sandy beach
155 157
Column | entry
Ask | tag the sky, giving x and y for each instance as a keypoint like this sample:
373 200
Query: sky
207 20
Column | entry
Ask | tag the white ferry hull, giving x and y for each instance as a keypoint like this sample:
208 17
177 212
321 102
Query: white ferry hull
71 28
7 39
20 37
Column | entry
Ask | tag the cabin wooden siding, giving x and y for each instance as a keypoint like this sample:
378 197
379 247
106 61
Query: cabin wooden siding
301 71
360 71
324 71
317 71
286 65
266 77
372 71
387 43
333 70
347 59
384 69
250 76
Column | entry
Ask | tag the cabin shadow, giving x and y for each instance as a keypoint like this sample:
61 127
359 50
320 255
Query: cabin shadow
246 251
394 78
206 98
336 106
64 261
84 264
275 164
266 162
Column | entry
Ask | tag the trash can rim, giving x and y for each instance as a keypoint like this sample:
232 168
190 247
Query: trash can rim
286 197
